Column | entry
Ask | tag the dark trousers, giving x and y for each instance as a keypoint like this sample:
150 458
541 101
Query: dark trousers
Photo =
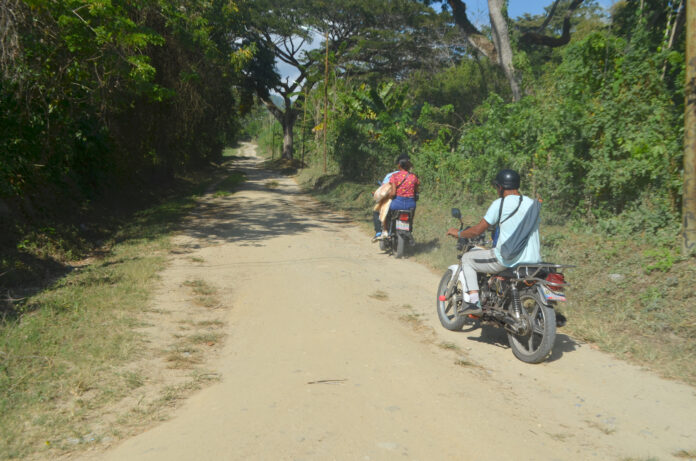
376 222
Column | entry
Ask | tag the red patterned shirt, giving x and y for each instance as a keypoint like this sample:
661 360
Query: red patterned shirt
408 186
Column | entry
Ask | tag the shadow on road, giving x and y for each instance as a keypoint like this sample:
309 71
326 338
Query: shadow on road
497 336
280 209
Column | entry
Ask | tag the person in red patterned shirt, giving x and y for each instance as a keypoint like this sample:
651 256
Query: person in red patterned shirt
404 186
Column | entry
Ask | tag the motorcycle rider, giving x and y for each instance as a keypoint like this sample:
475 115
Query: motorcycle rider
377 211
507 213
404 188
403 193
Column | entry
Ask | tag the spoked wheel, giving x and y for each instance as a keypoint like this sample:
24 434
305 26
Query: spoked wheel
447 310
540 333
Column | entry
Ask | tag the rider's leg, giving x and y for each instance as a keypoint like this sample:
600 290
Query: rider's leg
478 261
376 222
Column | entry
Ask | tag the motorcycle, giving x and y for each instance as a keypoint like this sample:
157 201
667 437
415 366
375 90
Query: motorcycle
399 233
521 299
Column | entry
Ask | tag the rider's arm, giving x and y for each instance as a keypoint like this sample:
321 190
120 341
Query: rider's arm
471 232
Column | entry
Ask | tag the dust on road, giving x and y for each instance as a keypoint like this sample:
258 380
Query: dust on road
334 351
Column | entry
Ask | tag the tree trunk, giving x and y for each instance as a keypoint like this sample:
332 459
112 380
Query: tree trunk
287 119
475 38
501 38
689 198
288 150
499 50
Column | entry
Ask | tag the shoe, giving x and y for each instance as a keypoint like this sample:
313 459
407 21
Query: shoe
378 236
470 308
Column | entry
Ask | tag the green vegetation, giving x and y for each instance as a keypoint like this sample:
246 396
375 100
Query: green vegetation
57 360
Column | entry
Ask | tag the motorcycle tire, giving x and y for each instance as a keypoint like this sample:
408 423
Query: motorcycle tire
536 345
383 245
400 246
447 310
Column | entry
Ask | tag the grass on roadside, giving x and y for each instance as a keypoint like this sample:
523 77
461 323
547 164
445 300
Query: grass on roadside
64 349
57 360
628 297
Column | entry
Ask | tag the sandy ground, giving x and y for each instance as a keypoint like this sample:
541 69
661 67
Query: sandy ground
334 350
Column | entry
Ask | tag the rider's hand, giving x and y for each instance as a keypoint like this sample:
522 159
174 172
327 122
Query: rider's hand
453 232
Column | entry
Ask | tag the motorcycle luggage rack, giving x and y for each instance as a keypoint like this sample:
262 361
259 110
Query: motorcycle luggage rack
532 270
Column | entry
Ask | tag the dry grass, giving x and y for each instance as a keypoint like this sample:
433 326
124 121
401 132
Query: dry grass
380 295
204 294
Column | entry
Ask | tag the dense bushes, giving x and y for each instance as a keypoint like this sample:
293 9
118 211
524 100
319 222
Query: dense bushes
602 137
598 137
98 93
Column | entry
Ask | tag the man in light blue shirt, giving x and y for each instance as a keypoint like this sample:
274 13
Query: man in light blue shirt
507 212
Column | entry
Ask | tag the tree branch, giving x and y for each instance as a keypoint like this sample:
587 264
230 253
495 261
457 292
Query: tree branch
475 38
548 17
535 38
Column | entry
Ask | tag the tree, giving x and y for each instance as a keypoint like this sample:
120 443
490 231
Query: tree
689 199
360 33
97 91
497 48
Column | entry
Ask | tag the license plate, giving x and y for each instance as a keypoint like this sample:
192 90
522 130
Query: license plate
553 295
402 225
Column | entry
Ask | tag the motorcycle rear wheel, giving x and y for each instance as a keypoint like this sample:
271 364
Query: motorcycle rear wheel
536 345
400 246
447 310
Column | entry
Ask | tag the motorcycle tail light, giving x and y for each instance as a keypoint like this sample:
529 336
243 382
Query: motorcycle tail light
403 217
555 281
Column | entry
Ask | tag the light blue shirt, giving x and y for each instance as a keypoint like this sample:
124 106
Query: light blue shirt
386 178
531 253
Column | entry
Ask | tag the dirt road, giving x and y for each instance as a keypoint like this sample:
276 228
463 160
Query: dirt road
334 351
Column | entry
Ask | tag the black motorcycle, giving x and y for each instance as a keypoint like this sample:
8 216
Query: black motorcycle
521 299
399 233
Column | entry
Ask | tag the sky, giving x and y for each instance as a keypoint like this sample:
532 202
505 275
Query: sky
517 8
478 9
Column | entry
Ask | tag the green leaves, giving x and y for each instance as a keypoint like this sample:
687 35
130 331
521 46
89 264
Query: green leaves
110 89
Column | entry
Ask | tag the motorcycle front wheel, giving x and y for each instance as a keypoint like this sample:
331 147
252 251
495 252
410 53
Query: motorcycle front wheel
536 344
447 310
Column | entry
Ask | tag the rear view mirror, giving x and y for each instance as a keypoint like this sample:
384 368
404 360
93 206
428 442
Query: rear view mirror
456 213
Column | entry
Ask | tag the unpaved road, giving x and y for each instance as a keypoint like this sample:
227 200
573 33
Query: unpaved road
334 351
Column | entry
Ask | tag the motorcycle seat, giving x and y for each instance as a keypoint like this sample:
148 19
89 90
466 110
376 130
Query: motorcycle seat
526 270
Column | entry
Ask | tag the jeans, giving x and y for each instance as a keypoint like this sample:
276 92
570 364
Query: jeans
402 203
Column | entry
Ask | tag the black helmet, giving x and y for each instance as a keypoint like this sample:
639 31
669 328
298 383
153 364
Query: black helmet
507 179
